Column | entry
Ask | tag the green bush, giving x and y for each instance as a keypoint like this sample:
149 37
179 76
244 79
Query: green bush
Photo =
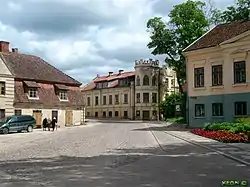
231 127
242 120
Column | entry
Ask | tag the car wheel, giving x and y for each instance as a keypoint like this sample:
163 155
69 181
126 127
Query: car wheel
30 128
5 130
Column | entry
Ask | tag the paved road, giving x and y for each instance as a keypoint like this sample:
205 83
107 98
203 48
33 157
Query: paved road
112 155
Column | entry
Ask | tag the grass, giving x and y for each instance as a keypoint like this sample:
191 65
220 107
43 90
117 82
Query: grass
180 120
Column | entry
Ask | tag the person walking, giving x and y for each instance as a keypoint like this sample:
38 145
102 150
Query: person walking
49 124
53 123
45 124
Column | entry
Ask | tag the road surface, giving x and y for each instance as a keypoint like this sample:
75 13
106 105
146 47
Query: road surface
112 155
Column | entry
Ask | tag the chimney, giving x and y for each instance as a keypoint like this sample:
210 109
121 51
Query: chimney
14 50
120 71
4 46
97 75
110 73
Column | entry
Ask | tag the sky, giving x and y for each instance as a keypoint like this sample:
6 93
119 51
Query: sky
84 38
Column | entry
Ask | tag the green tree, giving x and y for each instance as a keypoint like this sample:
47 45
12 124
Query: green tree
187 23
239 11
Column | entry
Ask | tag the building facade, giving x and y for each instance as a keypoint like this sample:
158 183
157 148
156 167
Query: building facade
130 95
218 76
31 86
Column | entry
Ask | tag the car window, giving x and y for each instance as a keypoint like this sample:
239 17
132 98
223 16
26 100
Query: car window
13 119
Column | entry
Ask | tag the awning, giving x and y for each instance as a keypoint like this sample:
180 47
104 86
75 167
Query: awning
31 84
61 87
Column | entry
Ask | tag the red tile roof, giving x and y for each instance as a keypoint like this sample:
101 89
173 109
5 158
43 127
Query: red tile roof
114 77
220 34
31 67
47 96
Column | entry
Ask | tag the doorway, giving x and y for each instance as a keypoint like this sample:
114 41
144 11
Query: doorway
55 114
146 115
69 117
37 114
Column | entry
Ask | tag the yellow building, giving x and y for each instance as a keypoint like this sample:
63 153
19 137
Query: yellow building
218 76
131 95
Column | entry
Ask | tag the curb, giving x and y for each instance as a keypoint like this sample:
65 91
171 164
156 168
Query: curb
211 149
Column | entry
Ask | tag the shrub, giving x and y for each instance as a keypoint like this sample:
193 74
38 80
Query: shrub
231 127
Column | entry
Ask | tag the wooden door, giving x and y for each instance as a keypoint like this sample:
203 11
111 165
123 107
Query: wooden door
69 117
37 114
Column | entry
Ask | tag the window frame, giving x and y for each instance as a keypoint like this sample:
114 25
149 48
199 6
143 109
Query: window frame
138 99
138 80
96 100
202 114
116 98
2 88
144 96
239 71
31 94
63 95
125 98
145 81
217 110
104 100
243 107
199 81
154 97
217 75
110 99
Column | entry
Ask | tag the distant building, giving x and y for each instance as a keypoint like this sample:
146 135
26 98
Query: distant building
131 95
29 85
218 66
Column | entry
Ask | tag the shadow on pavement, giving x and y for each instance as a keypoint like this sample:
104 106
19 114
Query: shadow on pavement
180 165
171 127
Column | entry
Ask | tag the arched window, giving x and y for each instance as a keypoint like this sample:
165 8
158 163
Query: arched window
154 80
145 80
138 81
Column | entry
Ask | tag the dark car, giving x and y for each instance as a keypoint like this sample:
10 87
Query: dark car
17 124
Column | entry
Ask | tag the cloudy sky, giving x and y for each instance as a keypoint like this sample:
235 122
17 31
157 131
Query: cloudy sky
83 37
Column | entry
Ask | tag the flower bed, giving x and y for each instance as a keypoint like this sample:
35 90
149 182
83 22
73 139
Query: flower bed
222 135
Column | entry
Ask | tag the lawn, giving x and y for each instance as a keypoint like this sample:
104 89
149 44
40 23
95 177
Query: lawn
237 132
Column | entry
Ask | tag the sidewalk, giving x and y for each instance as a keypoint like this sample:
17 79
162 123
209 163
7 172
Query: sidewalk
236 151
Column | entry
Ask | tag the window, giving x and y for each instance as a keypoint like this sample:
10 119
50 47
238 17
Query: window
239 72
154 97
138 113
88 114
199 110
33 93
116 99
240 108
167 82
154 80
217 75
104 114
110 114
138 97
110 99
125 98
63 95
145 80
172 82
198 77
138 81
2 88
116 113
88 100
145 97
96 100
217 109
104 100
96 114
2 113
18 112
125 114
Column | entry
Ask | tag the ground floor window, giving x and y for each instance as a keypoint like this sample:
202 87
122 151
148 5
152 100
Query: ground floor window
104 114
125 114
116 113
18 112
199 110
96 114
240 108
2 113
217 109
110 114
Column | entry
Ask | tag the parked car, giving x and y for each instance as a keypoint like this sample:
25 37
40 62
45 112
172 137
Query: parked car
17 124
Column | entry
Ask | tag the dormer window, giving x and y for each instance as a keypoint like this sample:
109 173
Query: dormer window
33 93
63 95
62 92
32 88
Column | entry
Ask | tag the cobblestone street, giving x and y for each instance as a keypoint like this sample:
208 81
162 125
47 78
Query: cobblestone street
110 154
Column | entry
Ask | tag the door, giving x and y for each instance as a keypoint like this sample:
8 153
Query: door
146 115
69 117
37 114
55 114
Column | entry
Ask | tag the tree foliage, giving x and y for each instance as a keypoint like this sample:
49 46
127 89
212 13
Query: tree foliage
187 23
239 11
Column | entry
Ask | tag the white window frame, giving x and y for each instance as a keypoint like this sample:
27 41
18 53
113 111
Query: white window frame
33 93
63 95
2 88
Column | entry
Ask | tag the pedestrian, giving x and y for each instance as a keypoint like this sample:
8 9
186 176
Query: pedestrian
53 123
45 124
49 124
